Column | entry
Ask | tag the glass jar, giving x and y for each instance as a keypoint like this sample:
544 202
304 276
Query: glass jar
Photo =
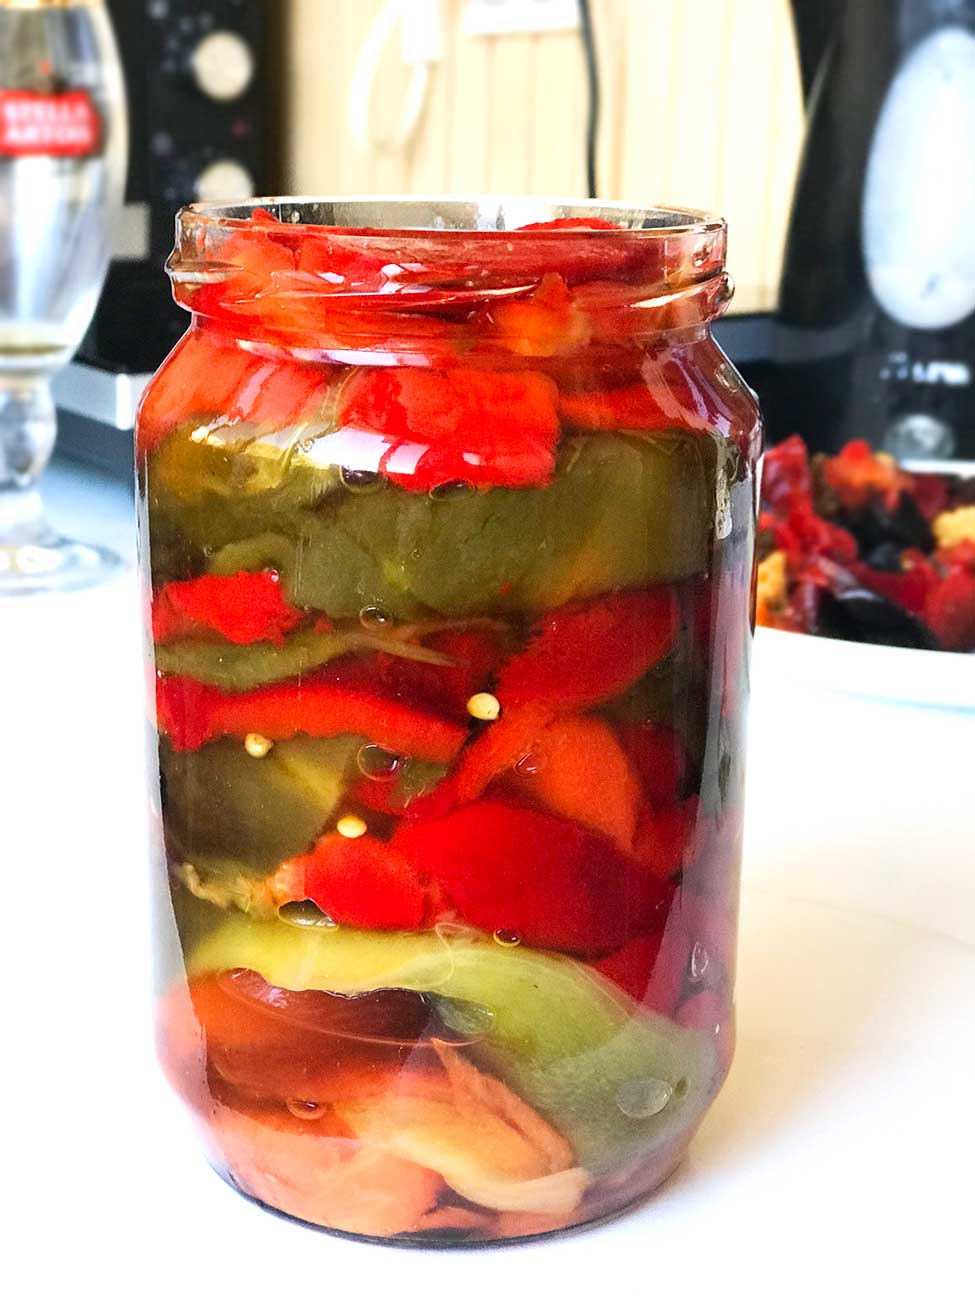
447 519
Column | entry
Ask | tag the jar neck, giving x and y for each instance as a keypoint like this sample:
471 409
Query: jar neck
531 293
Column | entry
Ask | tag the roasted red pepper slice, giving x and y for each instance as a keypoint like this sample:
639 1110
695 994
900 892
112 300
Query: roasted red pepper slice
263 253
804 535
666 397
664 837
658 969
910 588
960 556
245 608
674 387
582 655
615 253
634 407
191 714
950 610
545 323
425 428
208 374
275 1044
279 392
931 493
786 475
494 753
577 768
202 375
474 654
333 257
652 968
253 257
659 758
366 883
572 223
286 277
856 474
535 877
632 966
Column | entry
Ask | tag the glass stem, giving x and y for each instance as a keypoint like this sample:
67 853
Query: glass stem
28 429
33 556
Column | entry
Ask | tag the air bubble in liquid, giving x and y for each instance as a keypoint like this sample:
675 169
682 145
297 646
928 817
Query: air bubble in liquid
379 764
306 915
374 617
700 960
726 377
360 480
643 1098
447 491
506 938
306 1109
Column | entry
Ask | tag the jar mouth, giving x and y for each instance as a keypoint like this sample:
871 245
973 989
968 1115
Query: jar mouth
487 215
412 274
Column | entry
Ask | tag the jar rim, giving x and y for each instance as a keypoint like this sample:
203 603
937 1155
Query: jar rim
368 270
457 217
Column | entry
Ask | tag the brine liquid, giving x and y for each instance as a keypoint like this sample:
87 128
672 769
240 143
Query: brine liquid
452 817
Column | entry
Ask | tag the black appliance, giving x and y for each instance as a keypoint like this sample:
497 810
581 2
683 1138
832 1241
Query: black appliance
198 88
178 132
876 329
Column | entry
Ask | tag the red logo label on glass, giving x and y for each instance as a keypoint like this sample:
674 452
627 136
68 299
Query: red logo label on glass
48 126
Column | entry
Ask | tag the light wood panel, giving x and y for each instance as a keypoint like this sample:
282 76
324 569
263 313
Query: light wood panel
701 107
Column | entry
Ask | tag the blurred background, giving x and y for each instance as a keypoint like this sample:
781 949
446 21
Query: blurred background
699 104
837 138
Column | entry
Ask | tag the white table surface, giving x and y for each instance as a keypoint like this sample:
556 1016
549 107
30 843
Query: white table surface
837 1160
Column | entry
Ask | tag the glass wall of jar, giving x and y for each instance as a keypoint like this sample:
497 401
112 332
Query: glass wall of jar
447 516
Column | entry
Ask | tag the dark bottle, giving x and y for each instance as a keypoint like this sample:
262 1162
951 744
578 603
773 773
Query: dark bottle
876 332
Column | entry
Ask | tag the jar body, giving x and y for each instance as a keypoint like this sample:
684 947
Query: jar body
450 669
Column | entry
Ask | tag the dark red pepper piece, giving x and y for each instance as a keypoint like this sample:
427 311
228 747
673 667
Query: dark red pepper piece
524 873
582 655
244 608
191 714
425 428
366 883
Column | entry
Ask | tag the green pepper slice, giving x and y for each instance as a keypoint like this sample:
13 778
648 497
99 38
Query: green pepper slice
562 1036
503 550
222 804
244 667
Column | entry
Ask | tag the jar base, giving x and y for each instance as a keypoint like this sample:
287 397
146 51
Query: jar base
464 1239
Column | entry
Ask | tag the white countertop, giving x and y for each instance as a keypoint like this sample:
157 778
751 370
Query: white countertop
837 1157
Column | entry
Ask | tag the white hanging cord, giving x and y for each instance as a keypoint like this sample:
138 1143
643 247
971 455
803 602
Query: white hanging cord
422 46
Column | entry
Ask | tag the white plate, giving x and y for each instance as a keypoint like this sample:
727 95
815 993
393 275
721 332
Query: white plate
926 677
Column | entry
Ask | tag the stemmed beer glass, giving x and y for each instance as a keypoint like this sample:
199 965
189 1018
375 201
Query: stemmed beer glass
63 144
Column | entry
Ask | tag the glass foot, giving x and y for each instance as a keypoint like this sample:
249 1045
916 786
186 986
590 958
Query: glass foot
55 564
34 558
